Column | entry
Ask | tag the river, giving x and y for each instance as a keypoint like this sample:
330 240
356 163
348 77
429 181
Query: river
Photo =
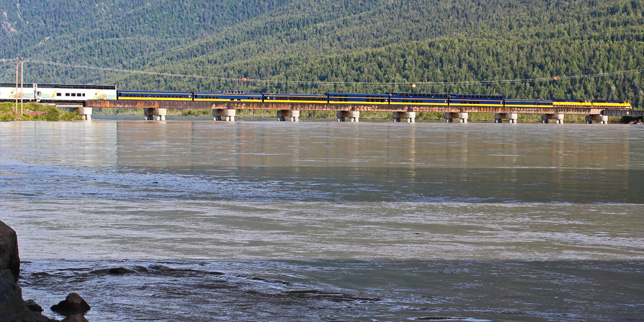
194 220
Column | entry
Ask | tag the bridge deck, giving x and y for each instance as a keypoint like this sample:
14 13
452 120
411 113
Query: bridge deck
343 107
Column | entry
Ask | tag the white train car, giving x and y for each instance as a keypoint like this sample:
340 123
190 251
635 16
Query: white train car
9 92
74 93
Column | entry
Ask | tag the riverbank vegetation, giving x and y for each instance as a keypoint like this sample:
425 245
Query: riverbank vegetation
35 112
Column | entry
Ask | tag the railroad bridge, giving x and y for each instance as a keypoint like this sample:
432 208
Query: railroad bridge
226 111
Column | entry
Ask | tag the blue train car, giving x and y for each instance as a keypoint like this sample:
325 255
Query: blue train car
469 100
528 103
227 96
296 98
418 99
153 95
344 98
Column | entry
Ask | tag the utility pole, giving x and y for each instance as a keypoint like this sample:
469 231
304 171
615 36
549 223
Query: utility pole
22 85
16 92
20 64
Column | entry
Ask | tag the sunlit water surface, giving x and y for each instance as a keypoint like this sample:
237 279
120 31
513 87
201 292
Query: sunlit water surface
261 220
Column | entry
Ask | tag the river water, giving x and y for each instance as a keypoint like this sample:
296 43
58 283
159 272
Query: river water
193 220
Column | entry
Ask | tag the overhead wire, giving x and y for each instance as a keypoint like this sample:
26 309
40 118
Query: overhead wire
258 80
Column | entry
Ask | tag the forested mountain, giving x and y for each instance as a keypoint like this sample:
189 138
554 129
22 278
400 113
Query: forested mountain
505 47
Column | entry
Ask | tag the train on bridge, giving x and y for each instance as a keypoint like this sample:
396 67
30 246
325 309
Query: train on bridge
60 93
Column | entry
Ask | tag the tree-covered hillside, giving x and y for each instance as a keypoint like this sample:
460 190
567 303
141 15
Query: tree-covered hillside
320 46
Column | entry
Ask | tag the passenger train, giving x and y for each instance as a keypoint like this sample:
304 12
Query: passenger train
78 93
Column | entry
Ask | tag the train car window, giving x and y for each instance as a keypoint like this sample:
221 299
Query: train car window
57 94
66 94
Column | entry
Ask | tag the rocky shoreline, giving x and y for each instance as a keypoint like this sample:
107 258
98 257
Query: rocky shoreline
13 308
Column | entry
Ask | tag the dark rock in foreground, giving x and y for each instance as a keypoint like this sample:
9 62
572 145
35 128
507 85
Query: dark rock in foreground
72 305
12 307
31 305
9 259
33 313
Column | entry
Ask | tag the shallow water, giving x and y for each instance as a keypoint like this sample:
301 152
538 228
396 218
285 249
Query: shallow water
259 220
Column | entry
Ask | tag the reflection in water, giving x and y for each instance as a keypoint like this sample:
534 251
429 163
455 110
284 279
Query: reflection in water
474 162
266 144
74 144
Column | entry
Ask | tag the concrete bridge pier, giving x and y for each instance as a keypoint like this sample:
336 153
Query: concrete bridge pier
85 112
155 114
511 117
291 115
462 117
559 118
601 119
352 116
409 117
223 114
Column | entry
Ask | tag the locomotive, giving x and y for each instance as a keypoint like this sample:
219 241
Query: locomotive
79 93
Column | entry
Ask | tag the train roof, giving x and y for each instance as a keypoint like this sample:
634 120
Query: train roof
68 86
357 94
226 93
155 92
75 86
444 95
433 95
294 94
500 97
527 100
13 85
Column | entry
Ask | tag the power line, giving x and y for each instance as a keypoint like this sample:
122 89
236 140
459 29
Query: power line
257 80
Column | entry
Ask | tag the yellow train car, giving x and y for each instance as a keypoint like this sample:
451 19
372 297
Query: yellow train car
612 104
572 104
